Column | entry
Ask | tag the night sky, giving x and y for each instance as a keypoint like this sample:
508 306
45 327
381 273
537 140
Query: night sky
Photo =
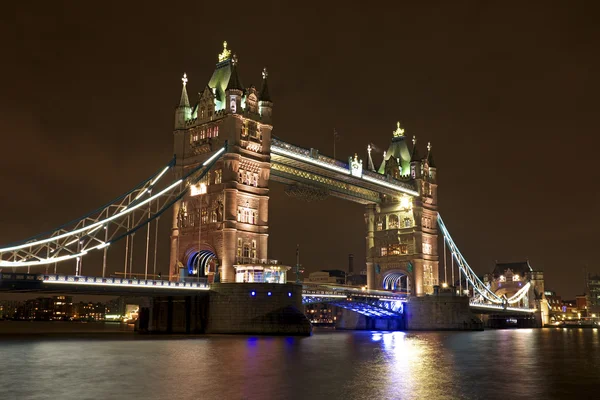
506 95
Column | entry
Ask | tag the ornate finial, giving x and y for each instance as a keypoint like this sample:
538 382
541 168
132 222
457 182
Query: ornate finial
225 54
265 73
369 149
355 157
384 154
428 146
414 140
184 79
399 131
234 59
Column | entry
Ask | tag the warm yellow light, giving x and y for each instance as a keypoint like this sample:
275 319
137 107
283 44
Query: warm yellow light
405 202
364 288
444 285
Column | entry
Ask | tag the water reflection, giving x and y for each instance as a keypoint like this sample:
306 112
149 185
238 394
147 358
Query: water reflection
515 364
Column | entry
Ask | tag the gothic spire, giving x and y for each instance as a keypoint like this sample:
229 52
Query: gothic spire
184 101
264 90
415 151
430 156
234 79
370 166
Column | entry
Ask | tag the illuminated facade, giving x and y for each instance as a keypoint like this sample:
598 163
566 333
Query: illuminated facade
223 221
402 235
221 225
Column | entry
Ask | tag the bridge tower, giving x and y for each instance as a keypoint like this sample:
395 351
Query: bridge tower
402 250
223 220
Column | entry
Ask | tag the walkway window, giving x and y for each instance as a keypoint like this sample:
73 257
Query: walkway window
247 215
407 222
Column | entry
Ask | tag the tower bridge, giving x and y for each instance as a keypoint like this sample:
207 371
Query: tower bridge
216 190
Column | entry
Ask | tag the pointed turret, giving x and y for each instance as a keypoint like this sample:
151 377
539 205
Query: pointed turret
431 164
430 161
264 98
264 90
371 167
234 79
183 112
415 151
415 161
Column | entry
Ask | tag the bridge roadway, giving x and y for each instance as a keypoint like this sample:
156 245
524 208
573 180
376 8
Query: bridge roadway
368 302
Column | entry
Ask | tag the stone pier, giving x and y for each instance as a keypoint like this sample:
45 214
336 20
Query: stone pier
229 308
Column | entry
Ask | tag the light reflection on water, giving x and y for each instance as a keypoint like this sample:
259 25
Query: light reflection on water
505 364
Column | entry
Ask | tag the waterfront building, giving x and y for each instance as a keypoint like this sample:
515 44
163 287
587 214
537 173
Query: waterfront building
89 311
8 309
593 288
62 308
321 313
554 301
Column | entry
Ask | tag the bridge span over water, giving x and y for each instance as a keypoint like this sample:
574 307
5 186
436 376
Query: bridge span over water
215 192
372 303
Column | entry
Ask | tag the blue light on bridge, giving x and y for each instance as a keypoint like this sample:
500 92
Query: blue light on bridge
253 293
269 293
289 294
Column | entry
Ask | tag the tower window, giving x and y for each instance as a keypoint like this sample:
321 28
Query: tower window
393 221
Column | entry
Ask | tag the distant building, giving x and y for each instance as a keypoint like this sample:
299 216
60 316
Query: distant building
62 308
332 276
593 287
8 309
554 301
323 314
89 311
581 303
569 309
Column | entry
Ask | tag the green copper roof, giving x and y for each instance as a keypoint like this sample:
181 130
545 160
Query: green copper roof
221 77
399 150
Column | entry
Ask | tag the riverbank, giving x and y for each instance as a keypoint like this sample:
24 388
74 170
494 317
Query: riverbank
59 327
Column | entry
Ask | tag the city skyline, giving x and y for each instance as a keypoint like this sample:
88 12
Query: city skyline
496 108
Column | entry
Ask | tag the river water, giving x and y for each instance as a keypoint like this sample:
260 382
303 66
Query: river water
496 364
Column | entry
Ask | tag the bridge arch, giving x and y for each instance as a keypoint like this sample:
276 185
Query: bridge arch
200 260
397 280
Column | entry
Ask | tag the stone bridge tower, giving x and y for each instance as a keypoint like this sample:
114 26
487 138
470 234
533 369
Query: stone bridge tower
224 219
402 235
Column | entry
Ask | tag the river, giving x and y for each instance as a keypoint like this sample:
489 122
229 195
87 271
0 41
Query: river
554 363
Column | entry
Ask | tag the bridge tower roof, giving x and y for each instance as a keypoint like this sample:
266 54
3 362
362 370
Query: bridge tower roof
399 150
225 75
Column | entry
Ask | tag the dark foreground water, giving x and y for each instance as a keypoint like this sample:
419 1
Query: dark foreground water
504 364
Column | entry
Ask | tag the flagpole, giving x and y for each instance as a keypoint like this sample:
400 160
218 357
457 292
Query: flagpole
334 140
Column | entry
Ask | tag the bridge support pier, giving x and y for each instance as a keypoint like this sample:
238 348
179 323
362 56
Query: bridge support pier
244 308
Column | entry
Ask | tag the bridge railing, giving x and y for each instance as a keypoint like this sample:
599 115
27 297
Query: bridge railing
110 281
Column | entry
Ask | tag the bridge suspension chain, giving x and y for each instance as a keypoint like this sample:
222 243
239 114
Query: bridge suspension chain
99 229
483 290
